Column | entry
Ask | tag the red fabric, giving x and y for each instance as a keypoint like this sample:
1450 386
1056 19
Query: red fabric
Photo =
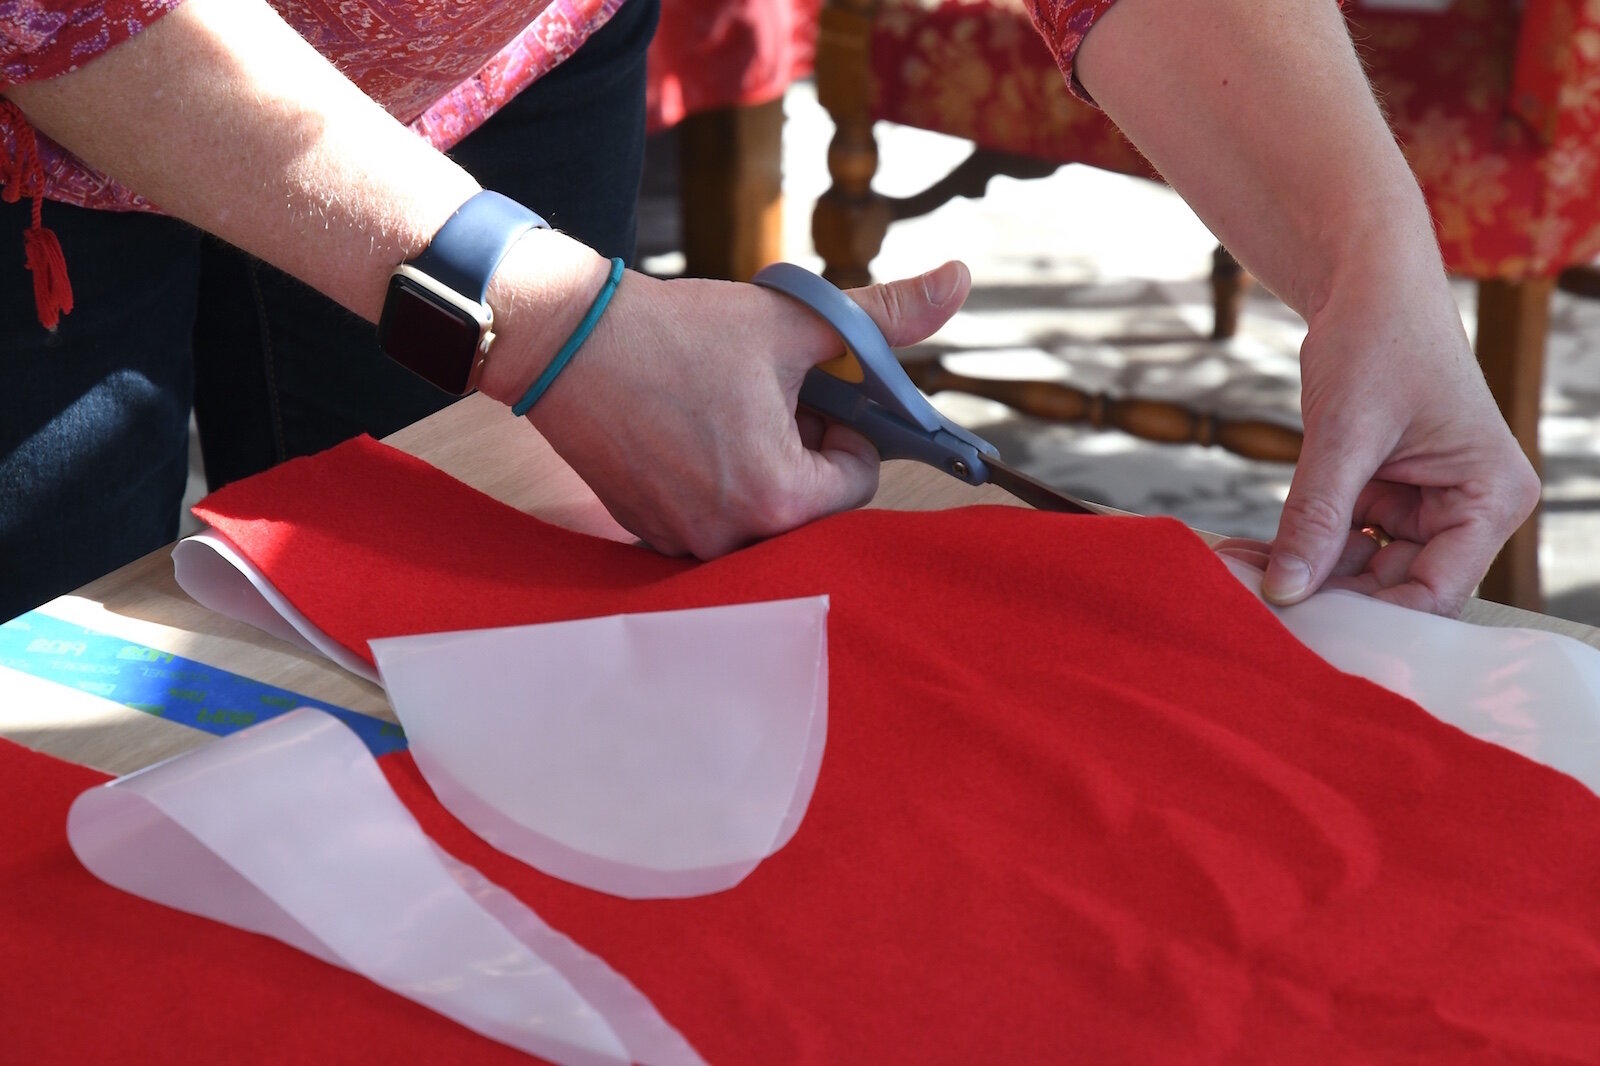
1493 102
89 974
44 40
1064 24
978 69
1544 63
727 53
442 67
1082 798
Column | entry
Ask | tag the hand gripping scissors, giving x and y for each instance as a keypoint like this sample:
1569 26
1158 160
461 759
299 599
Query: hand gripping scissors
868 390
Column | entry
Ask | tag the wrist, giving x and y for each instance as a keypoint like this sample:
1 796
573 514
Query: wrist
540 294
1384 245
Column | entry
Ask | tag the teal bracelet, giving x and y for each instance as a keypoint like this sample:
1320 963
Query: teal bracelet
574 342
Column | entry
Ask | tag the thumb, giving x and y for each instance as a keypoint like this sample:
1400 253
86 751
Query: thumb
1315 523
912 309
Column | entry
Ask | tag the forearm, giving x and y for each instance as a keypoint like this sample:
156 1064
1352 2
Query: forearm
681 411
1261 117
225 117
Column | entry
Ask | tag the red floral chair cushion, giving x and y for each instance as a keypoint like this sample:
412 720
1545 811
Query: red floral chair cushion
727 53
1496 104
978 69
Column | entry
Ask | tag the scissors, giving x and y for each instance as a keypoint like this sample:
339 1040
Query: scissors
868 390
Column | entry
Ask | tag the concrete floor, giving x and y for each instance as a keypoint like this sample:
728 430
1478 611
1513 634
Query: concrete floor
1100 281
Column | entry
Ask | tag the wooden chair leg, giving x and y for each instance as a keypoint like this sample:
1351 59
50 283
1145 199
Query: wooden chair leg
1513 319
850 220
731 182
1229 281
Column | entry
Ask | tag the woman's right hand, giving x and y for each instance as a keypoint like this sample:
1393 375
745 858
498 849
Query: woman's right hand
680 409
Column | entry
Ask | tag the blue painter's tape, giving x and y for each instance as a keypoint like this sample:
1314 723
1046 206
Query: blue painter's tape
162 684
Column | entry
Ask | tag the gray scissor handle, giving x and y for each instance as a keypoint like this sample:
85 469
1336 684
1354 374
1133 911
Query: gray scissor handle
884 406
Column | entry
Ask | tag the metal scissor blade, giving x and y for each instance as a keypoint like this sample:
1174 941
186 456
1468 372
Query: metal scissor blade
1032 491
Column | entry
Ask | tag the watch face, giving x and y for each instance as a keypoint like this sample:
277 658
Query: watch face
429 334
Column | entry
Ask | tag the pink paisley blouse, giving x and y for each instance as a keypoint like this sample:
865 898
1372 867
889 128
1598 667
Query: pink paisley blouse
1064 24
441 66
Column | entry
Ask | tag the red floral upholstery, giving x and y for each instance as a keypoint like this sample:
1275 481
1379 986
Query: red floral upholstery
978 69
710 54
1496 104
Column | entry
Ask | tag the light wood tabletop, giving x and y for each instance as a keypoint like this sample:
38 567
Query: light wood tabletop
476 441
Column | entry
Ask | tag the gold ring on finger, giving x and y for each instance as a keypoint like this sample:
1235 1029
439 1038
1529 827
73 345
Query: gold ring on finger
1379 535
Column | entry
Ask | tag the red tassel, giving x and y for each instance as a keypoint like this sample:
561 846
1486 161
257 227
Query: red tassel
52 292
23 175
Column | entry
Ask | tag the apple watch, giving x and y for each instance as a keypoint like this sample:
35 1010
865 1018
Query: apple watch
436 321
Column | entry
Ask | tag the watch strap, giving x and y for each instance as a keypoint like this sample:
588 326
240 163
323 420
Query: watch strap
469 246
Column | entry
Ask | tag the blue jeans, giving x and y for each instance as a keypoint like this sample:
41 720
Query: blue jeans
94 418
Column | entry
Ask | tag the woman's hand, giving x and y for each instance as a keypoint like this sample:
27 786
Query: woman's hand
1263 120
680 410
1402 435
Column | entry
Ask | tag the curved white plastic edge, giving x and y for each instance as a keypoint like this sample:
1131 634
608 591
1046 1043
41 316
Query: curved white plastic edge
705 764
216 575
242 831
657 755
1534 692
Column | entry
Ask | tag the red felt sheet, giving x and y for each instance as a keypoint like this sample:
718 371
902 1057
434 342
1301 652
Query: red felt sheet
91 975
1083 800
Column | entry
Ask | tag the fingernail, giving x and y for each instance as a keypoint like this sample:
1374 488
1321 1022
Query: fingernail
1287 579
939 285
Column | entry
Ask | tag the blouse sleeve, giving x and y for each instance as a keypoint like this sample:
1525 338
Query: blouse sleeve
44 38
1064 24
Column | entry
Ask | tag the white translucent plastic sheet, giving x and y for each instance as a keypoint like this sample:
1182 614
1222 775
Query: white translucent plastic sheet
217 576
240 832
1537 693
1534 692
648 756
645 755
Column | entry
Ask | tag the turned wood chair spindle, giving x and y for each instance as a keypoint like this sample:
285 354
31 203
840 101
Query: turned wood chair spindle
1155 420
